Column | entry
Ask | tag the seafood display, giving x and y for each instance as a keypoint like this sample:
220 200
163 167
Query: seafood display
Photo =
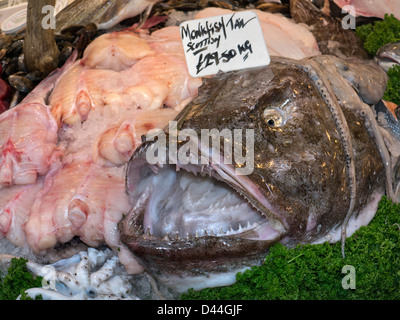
95 127
91 128
78 140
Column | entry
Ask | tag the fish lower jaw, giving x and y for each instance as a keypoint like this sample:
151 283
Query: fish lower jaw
244 232
255 230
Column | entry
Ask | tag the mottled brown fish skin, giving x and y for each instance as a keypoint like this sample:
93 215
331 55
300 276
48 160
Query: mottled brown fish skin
81 13
331 37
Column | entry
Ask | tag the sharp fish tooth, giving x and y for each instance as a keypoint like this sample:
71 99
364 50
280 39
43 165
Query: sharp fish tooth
148 231
166 238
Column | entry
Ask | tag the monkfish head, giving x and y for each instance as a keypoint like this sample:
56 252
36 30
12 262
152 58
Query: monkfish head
255 159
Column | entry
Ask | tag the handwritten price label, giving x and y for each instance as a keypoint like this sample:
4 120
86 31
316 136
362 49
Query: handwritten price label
227 42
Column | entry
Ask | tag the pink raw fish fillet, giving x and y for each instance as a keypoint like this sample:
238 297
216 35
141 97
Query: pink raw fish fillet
117 144
157 76
15 207
115 51
161 80
80 199
80 90
28 136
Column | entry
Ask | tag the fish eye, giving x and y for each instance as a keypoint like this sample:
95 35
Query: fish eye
273 117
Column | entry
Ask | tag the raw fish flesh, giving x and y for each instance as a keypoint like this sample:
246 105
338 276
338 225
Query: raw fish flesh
100 108
371 8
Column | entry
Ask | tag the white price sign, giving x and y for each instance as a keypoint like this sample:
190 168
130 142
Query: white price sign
226 42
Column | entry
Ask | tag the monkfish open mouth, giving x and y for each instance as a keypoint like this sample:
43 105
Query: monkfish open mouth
186 205
196 212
